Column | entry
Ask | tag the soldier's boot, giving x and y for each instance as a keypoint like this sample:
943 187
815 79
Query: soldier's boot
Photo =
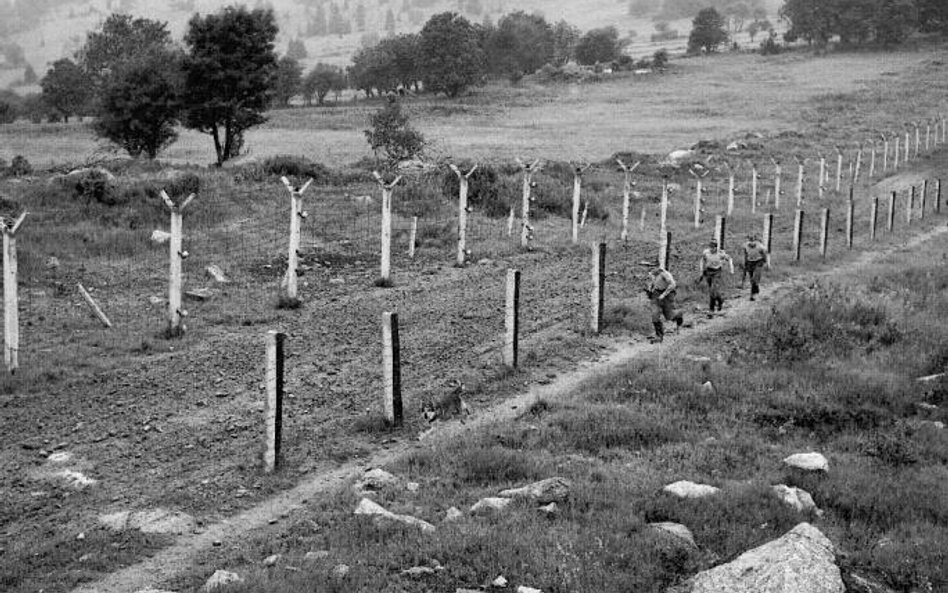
659 332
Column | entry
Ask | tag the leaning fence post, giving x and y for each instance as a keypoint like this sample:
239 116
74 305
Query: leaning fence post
824 231
890 222
512 320
598 285
720 229
176 256
391 370
768 236
385 272
797 234
626 197
525 228
850 215
296 215
873 218
96 309
274 406
464 184
11 304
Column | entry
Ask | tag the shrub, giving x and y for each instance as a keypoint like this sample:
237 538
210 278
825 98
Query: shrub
296 166
483 192
769 46
95 185
19 167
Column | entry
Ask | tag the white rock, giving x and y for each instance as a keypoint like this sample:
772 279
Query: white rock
317 555
707 388
801 561
271 560
543 492
500 582
686 489
522 589
116 521
930 378
198 294
677 156
677 530
222 578
418 571
808 461
159 237
413 486
368 507
155 300
490 504
77 480
453 514
798 498
60 457
340 571
549 509
52 262
376 479
216 273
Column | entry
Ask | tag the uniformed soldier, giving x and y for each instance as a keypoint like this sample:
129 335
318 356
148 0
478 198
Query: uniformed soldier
661 296
711 266
755 258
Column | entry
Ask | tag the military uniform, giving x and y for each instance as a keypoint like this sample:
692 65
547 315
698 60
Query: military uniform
712 263
755 258
661 295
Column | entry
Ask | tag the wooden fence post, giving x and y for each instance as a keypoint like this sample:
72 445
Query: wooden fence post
885 153
720 230
824 231
730 189
626 196
850 216
274 406
858 167
896 156
96 309
797 234
293 256
938 196
873 218
890 222
918 139
663 207
463 185
512 320
872 160
510 222
698 197
768 236
391 370
526 230
176 256
11 301
820 185
385 272
598 288
664 250
908 149
928 136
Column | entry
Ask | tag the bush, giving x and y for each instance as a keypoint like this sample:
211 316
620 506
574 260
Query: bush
769 46
483 192
19 167
96 185
7 112
296 166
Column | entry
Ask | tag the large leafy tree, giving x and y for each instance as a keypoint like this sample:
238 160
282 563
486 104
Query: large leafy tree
812 20
392 135
933 15
707 31
373 69
66 88
121 38
565 39
520 45
599 46
322 79
229 74
140 103
450 56
286 84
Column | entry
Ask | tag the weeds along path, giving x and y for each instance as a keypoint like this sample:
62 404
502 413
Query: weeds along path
163 566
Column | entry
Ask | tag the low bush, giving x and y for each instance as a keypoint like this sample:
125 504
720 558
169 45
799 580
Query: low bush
19 167
291 166
483 192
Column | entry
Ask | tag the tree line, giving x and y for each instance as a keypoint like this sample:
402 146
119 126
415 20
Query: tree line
862 22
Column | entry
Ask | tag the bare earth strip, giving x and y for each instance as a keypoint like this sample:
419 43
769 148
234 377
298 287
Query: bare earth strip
164 565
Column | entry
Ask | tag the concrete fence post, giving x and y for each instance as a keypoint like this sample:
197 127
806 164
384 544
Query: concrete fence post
272 457
598 285
391 370
176 256
512 320
385 267
11 301
797 235
463 189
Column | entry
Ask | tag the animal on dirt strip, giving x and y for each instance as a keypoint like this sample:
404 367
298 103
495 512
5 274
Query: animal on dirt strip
449 405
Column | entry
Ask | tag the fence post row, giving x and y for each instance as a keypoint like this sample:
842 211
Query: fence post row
626 199
296 216
176 256
598 288
512 320
11 303
385 272
464 184
272 457
391 370
525 228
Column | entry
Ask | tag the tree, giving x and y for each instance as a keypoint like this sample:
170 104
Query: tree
289 76
565 39
66 88
121 38
450 57
707 31
520 45
933 15
811 20
599 46
894 20
29 75
140 103
373 68
322 79
229 73
392 134
296 49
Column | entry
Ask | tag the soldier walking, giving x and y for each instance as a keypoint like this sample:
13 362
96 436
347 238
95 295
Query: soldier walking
661 295
755 258
711 266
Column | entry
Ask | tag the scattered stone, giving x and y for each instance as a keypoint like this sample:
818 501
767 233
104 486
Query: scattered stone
216 273
367 507
222 578
737 145
154 300
686 489
77 480
340 571
453 514
60 457
798 498
522 589
413 486
930 378
418 571
159 237
801 561
676 530
198 294
375 480
489 505
52 262
808 461
707 388
550 509
81 536
500 582
271 560
543 492
317 555
926 406
337 281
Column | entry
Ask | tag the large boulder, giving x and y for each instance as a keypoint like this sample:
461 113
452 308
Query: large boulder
813 462
686 489
542 492
801 561
367 507
798 498
491 504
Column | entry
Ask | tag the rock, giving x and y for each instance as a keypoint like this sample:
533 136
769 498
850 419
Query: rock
676 530
317 555
271 560
159 237
337 281
500 582
340 571
522 589
155 300
797 498
489 505
198 294
221 578
543 492
60 457
215 273
462 590
813 462
453 514
81 536
152 590
77 480
376 479
550 509
116 521
801 561
859 584
83 171
926 406
707 388
930 378
676 157
686 489
418 571
413 486
737 145
367 507
52 262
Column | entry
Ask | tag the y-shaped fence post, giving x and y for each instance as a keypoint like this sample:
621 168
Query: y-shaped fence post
464 184
526 229
385 271
578 171
293 257
626 196
11 314
176 256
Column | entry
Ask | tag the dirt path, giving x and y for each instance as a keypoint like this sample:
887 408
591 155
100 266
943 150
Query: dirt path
166 563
